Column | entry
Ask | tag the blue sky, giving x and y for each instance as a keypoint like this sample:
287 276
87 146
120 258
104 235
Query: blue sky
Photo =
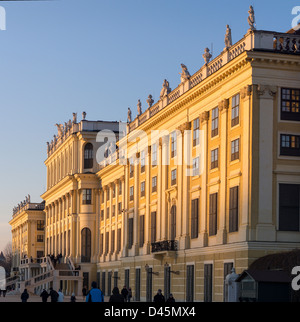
64 56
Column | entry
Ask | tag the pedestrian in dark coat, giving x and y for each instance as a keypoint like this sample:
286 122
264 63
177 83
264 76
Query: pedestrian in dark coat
159 298
53 295
24 296
116 296
170 299
44 295
124 292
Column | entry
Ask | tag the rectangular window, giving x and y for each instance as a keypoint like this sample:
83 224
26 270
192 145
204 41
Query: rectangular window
40 225
208 279
119 234
113 187
196 167
143 161
137 284
235 150
154 184
120 187
102 215
190 273
234 209
106 242
142 231
143 189
40 238
215 122
131 191
290 145
235 110
173 177
213 214
131 168
107 213
154 155
173 144
127 277
290 104
107 194
153 227
112 242
87 196
214 159
194 218
196 128
289 207
113 211
119 208
130 233
101 244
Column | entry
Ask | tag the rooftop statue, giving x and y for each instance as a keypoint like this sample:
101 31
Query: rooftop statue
166 89
129 115
184 73
228 38
59 129
150 101
83 115
139 108
251 18
207 56
74 118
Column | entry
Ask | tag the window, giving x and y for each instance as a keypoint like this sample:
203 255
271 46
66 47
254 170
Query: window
167 281
289 207
131 191
213 214
196 132
190 283
102 215
107 213
130 233
40 238
143 189
234 209
215 122
154 155
173 144
113 211
214 159
106 242
119 234
154 184
289 145
86 245
173 223
87 196
102 196
131 167
88 156
208 279
119 208
235 110
153 227
173 177
107 194
112 242
120 187
113 187
235 150
40 225
196 167
290 104
137 284
194 218
142 231
142 161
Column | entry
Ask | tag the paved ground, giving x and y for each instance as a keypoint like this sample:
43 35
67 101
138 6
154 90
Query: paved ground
34 298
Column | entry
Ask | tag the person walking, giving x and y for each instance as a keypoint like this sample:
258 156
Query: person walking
73 298
129 296
53 295
170 299
116 296
124 292
84 291
44 295
159 298
94 295
60 296
24 296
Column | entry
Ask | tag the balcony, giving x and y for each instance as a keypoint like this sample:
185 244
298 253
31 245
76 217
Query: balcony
164 248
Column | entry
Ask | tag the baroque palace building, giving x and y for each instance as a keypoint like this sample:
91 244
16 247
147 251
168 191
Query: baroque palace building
204 180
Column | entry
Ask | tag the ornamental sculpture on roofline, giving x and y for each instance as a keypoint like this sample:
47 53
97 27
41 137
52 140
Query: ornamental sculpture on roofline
251 19
185 75
150 101
129 119
228 38
165 89
207 56
139 108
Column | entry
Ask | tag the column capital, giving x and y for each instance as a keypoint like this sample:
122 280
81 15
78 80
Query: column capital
223 105
204 117
246 91
267 91
185 127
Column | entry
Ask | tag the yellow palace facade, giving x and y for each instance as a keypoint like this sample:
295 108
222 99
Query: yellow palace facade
204 180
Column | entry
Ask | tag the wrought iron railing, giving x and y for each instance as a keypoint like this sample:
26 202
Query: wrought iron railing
167 245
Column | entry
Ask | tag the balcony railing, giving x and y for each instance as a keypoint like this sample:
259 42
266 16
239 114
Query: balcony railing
167 245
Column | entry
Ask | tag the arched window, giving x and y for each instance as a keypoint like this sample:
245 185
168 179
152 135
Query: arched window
86 245
173 223
88 156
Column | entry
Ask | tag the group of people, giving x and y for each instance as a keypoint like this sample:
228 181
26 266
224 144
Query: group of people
54 296
159 298
55 259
